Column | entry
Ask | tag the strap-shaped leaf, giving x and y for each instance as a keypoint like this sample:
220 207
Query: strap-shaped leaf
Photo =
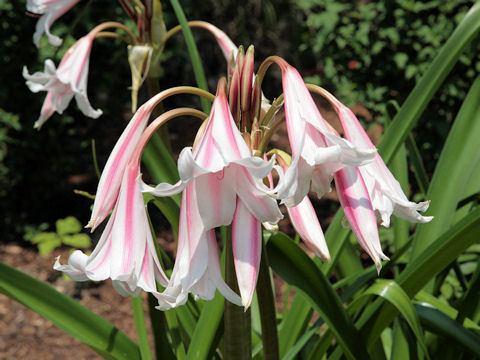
420 271
296 268
70 316
439 323
427 299
393 293
458 160
294 324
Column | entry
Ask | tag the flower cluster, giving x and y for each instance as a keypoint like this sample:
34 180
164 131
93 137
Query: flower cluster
225 178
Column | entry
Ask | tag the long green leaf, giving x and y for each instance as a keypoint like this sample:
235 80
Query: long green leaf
140 326
67 314
294 324
295 267
392 292
438 323
459 158
427 299
203 342
192 50
422 269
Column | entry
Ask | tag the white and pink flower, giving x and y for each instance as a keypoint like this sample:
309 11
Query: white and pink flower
50 11
126 251
317 152
62 84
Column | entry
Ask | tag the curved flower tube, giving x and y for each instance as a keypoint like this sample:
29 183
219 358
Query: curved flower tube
62 84
125 252
50 10
111 179
317 151
384 190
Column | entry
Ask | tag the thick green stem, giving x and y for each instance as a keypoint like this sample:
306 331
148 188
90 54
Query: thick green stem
266 305
237 337
139 318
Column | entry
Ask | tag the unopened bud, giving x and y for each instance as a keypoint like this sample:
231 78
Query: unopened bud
247 78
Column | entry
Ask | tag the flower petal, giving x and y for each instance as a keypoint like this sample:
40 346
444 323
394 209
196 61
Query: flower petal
358 209
247 248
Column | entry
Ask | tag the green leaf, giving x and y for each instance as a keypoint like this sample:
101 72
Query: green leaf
438 323
68 315
205 339
193 51
458 160
294 266
427 299
422 269
294 324
69 225
45 237
46 247
80 241
392 292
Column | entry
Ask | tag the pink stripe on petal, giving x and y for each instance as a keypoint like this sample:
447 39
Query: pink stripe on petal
246 245
359 212
306 224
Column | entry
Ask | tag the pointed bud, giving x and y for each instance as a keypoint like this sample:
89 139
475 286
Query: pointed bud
239 59
233 94
256 105
246 79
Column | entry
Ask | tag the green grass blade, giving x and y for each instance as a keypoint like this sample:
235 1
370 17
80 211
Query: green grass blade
439 323
470 301
163 349
205 338
68 315
422 269
192 50
294 324
427 299
459 158
140 326
294 266
393 293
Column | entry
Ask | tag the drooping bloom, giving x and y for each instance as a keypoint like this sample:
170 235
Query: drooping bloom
225 181
50 10
358 209
62 84
125 252
111 179
385 192
197 268
317 152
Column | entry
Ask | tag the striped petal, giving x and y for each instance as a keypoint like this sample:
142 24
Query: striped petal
358 209
125 252
306 224
385 191
110 181
247 248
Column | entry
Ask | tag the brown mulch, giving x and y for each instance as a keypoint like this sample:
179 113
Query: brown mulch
26 335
